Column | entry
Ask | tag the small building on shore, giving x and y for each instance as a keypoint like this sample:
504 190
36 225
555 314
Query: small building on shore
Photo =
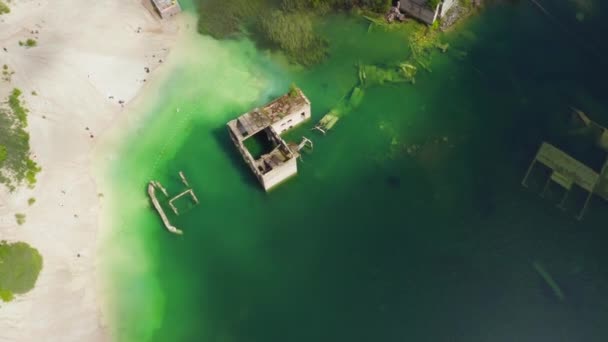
166 8
423 11
257 137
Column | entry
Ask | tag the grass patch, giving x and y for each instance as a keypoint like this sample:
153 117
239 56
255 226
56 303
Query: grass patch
3 154
284 25
31 201
16 166
17 107
28 43
293 33
4 9
20 265
6 73
20 218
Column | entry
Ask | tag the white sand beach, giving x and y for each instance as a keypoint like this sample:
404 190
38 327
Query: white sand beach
92 59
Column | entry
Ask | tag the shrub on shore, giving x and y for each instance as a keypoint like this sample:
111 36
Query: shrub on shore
4 9
16 165
20 265
20 218
28 43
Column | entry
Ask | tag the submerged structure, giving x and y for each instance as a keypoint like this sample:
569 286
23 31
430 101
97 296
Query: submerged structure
568 172
423 11
257 137
155 185
166 8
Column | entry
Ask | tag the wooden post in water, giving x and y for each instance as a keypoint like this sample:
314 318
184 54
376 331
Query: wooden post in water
184 180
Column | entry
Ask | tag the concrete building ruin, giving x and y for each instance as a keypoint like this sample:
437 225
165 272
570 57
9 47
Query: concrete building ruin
275 161
166 8
421 10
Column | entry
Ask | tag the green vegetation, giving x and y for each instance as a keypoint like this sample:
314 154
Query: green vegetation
34 93
31 42
6 73
293 90
436 24
20 218
20 265
293 34
433 3
16 106
16 166
28 43
284 25
31 201
466 3
422 41
3 154
4 9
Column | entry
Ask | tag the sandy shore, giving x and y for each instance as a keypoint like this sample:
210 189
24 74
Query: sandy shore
92 60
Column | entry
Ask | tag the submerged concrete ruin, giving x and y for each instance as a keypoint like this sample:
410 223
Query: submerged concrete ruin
154 185
166 8
278 161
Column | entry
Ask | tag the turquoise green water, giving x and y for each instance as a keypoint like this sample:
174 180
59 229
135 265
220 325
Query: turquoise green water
370 242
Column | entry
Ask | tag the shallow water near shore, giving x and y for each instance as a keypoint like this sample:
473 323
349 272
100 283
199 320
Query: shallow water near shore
407 222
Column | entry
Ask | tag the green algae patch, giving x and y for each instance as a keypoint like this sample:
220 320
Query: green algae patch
20 265
423 41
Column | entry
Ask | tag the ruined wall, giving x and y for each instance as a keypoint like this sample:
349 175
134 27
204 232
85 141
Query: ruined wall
280 174
166 11
292 120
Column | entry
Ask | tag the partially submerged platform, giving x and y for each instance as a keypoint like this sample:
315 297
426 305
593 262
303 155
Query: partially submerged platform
278 160
567 172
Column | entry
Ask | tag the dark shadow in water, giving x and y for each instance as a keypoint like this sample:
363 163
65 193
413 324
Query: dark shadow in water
221 136
393 182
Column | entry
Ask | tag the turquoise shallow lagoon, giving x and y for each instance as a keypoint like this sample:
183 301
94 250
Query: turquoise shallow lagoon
370 242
